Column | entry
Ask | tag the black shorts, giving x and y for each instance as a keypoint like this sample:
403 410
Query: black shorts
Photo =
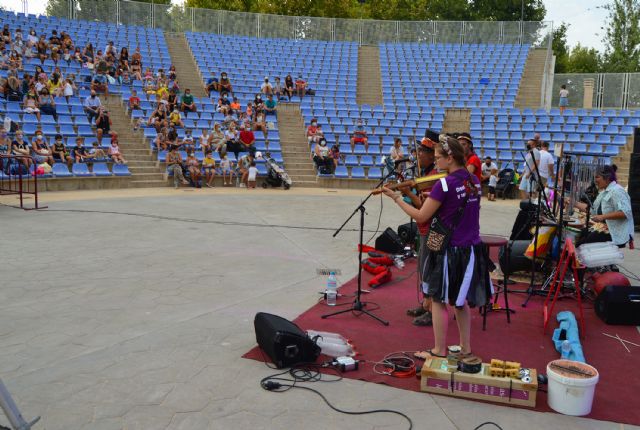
492 190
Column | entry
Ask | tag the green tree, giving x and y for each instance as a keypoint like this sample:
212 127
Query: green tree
560 48
583 60
507 10
89 9
622 36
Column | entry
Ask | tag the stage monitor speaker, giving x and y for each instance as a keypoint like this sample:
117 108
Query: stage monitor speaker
389 242
517 261
619 305
408 232
283 341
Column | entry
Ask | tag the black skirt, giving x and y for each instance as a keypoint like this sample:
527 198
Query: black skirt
457 276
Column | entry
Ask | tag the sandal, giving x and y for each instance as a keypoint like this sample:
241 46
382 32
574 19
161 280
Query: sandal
423 320
416 312
423 355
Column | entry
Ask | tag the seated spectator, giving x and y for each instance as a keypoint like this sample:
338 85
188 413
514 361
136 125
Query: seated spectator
79 151
174 166
47 104
212 84
258 105
244 163
270 105
95 153
277 88
487 167
162 91
92 105
194 169
176 119
235 106
162 140
252 174
60 152
54 84
135 66
172 137
158 117
6 34
103 124
312 131
397 153
41 151
227 169
187 103
125 78
359 136
321 157
110 48
30 103
209 167
225 84
218 140
289 86
100 83
13 90
260 124
134 100
247 140
249 110
188 142
69 89
319 133
335 155
301 86
229 118
20 147
123 60
224 106
266 88
205 140
114 151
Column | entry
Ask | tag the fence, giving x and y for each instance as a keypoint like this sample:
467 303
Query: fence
15 178
180 19
611 90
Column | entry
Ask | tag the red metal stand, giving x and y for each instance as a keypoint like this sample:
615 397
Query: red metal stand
567 259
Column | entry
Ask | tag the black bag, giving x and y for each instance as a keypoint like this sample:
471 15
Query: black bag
439 234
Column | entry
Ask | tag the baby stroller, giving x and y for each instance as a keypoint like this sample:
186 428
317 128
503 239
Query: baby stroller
276 175
505 185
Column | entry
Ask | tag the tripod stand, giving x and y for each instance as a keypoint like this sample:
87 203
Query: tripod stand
358 305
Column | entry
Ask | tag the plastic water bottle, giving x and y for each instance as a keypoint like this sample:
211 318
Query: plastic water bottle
566 349
332 289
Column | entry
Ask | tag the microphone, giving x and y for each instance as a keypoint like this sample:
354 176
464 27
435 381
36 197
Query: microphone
402 160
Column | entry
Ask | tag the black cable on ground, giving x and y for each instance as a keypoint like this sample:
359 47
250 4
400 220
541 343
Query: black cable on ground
488 423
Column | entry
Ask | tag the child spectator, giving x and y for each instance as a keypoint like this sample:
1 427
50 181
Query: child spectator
95 153
225 84
277 88
235 106
244 163
188 142
493 181
60 151
253 173
209 167
334 153
68 89
79 151
103 124
312 131
212 84
193 166
114 150
134 100
301 86
266 87
224 106
227 171
176 119
270 105
289 86
359 136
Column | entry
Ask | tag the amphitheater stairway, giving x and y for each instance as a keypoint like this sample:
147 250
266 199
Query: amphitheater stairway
295 149
623 161
529 92
142 162
186 68
369 88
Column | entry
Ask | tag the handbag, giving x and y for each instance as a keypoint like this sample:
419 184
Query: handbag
439 234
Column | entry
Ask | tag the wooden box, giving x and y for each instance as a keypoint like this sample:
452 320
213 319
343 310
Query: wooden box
436 379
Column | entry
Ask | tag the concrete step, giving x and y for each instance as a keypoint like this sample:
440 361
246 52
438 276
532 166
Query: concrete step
186 67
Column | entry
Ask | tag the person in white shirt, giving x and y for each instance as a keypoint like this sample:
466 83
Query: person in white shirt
266 87
253 173
546 166
529 178
487 167
493 181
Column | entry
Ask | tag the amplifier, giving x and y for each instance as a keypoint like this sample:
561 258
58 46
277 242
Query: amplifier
408 232
389 242
619 305
283 341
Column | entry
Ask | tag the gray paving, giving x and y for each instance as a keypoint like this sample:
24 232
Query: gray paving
112 321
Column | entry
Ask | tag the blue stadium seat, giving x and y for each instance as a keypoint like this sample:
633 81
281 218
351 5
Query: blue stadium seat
60 170
80 169
101 169
357 173
121 170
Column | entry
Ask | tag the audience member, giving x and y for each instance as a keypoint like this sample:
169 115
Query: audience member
225 84
266 88
175 118
248 140
100 83
474 165
103 124
289 86
244 163
359 136
209 167
212 84
335 155
251 175
92 105
193 167
174 166
47 104
30 103
270 106
277 88
227 170
187 102
79 151
218 140
260 123
134 100
59 151
41 151
487 167
324 162
301 86
312 131
95 153
20 147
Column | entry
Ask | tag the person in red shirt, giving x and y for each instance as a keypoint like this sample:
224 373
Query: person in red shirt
134 100
474 165
312 131
247 139
301 86
426 159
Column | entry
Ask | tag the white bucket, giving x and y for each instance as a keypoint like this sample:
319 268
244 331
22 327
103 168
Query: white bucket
570 393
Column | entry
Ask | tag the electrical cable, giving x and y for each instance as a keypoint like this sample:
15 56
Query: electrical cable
379 219
310 372
628 273
196 221
488 423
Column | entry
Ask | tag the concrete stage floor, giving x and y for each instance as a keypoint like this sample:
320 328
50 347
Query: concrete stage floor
117 321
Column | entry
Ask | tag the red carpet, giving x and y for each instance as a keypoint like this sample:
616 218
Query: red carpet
616 397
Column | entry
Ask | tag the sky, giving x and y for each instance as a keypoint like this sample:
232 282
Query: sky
585 17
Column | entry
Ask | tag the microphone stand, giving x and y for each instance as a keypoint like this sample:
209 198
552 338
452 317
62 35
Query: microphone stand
358 305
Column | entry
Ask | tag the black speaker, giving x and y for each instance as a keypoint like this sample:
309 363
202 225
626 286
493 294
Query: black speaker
619 305
517 261
283 341
408 232
524 220
389 242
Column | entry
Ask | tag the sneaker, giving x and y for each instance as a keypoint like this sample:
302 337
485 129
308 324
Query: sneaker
416 312
423 320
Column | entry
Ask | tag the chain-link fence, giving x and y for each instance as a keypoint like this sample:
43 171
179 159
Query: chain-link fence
177 18
610 90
